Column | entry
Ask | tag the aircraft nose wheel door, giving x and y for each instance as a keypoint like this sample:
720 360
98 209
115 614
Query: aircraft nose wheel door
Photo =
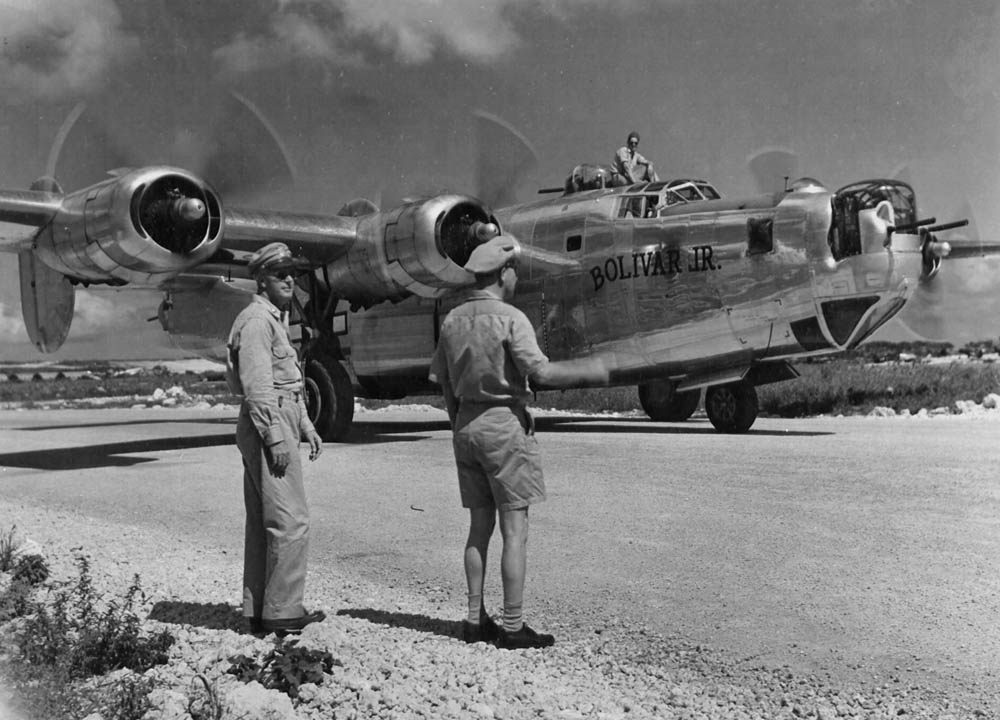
731 408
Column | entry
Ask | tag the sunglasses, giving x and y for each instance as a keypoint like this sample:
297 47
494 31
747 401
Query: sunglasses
281 274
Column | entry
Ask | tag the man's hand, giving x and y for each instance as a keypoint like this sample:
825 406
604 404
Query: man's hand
315 444
278 458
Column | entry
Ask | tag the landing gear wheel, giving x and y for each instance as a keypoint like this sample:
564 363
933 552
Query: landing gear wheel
329 399
731 408
664 404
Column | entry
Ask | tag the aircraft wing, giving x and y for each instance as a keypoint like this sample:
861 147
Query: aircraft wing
320 239
22 212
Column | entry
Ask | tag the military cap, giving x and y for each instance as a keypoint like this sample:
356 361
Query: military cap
270 257
493 255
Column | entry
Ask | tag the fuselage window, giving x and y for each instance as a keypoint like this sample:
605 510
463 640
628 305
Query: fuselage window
760 235
574 243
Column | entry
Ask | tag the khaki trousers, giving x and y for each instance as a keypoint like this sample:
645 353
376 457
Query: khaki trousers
276 541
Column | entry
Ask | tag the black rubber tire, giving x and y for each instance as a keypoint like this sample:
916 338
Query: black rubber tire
329 399
731 408
663 403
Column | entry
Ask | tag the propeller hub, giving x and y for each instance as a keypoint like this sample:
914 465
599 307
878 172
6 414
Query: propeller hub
486 231
189 209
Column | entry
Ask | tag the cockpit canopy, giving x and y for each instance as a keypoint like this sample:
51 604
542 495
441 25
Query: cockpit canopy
646 200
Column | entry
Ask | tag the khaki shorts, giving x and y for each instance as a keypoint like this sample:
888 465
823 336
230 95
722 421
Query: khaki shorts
499 464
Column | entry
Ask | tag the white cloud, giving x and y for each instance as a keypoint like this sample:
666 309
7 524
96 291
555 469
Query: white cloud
53 48
11 326
413 32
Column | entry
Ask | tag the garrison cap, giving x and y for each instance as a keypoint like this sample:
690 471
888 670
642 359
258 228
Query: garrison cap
493 255
270 257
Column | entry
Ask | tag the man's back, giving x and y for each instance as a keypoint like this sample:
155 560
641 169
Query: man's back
487 351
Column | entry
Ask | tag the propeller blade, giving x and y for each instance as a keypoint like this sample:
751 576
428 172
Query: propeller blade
237 150
504 157
247 156
772 167
83 151
903 174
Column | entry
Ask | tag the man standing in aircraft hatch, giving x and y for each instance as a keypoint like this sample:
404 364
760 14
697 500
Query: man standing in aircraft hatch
629 164
485 356
263 368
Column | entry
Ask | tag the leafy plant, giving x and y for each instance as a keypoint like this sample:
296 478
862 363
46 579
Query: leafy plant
129 698
285 668
31 569
75 634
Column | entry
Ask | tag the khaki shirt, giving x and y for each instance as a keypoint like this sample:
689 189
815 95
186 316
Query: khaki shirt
486 352
627 164
262 365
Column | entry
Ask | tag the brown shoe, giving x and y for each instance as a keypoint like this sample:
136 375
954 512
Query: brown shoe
291 626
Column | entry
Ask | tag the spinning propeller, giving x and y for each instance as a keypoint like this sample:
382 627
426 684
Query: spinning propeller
233 147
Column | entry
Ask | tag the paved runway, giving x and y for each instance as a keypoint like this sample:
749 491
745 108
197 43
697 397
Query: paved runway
849 547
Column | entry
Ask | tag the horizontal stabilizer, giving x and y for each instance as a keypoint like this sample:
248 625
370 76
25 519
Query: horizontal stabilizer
47 302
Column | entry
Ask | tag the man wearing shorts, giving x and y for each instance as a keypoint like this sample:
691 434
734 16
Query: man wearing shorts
486 354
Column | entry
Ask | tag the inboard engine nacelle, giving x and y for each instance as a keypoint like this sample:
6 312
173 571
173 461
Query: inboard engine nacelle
416 249
140 226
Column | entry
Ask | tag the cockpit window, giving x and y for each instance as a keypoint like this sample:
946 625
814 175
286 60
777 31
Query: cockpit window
709 192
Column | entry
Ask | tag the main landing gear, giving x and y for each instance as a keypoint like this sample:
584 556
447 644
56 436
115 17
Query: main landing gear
731 408
662 402
329 398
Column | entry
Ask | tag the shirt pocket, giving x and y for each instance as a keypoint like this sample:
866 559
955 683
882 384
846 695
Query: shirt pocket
286 365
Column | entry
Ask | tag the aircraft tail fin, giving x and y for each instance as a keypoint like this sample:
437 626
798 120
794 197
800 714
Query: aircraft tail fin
47 302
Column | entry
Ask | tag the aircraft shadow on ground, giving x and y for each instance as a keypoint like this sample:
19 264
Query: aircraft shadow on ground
109 455
132 423
214 616
371 432
420 623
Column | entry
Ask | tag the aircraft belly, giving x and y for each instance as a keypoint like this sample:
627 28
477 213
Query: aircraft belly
393 339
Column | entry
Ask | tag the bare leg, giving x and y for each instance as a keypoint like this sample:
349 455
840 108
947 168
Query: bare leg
481 524
514 529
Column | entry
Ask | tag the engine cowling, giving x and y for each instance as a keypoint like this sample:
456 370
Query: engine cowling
141 226
416 249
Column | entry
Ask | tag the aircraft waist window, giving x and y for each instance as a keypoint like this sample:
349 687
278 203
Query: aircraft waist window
760 235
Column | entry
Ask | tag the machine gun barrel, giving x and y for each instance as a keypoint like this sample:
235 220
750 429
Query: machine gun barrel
909 227
948 226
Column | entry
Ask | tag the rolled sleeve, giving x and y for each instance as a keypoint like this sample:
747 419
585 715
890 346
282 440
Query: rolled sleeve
524 350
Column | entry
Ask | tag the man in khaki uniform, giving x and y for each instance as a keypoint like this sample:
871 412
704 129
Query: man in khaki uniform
630 165
263 368
485 356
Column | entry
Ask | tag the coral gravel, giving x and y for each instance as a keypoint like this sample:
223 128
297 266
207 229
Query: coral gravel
393 655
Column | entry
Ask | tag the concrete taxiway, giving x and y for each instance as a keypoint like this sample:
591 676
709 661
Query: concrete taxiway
844 546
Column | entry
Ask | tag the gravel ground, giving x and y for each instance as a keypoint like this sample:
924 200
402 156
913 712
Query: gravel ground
398 659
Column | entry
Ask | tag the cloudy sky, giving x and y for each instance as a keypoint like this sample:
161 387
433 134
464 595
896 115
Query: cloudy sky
373 98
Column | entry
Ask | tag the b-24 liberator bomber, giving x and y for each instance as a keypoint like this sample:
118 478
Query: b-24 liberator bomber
676 288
